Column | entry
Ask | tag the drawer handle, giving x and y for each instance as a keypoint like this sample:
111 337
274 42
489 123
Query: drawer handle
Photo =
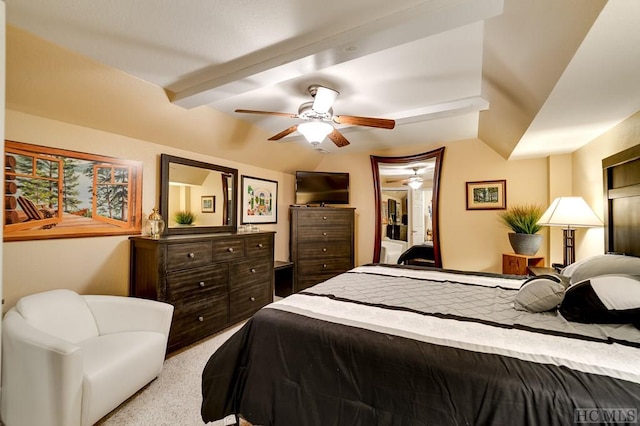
324 249
324 233
260 245
191 255
324 265
253 299
324 218
230 249
201 319
253 270
201 283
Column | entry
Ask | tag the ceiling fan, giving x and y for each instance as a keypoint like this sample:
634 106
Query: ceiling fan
414 181
317 116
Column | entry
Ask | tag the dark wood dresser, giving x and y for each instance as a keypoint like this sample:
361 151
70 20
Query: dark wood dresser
322 243
213 280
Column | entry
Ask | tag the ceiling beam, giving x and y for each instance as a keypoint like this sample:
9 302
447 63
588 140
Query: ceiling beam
271 66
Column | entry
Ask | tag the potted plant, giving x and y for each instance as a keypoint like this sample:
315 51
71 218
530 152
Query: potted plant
523 221
184 217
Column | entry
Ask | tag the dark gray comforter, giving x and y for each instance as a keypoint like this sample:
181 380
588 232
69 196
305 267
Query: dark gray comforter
297 363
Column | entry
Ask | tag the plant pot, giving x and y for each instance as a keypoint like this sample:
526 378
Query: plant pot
527 244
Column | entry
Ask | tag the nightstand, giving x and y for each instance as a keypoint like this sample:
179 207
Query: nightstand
518 264
540 270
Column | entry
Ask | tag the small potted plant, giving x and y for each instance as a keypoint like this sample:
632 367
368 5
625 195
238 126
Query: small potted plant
184 217
523 221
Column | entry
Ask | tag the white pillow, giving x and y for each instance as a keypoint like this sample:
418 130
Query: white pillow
603 264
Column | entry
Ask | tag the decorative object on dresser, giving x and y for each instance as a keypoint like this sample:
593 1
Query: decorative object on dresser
212 280
155 224
569 212
518 264
322 243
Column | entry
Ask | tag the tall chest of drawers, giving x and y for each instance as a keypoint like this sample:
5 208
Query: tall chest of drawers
212 280
322 243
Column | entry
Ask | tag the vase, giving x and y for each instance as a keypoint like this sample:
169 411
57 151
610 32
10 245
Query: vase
527 244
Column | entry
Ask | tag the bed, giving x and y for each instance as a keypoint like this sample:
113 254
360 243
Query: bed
405 345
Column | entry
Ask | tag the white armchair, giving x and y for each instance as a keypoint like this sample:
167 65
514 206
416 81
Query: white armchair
68 360
392 250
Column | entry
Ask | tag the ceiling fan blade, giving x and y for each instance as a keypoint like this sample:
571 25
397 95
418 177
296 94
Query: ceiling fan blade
324 99
365 121
281 114
284 133
338 138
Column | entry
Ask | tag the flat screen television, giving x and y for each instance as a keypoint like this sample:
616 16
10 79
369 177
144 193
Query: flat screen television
322 188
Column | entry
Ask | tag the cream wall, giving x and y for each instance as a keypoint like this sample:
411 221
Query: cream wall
587 177
101 265
559 186
470 240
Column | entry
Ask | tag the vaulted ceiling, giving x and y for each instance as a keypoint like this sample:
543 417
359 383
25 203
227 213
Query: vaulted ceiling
528 77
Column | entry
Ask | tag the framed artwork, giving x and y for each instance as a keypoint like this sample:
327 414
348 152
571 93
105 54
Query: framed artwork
385 213
259 200
56 193
208 204
487 195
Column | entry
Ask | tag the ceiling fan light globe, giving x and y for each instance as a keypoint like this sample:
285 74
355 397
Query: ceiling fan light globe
415 182
324 99
315 131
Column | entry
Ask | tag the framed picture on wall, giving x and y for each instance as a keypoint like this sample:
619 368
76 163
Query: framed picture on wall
487 195
208 204
57 193
259 200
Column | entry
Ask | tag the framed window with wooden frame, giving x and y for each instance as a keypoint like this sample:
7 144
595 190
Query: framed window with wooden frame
56 193
487 195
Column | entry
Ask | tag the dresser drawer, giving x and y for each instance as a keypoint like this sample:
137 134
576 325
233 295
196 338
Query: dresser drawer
198 318
325 233
338 218
246 301
323 250
322 266
188 255
198 283
259 246
228 249
249 272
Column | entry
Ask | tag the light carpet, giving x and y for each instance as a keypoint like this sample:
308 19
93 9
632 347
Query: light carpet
174 398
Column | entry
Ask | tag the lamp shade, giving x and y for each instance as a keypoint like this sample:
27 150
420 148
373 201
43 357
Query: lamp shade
572 212
315 131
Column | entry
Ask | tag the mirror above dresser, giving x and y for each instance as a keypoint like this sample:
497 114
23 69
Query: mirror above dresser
207 192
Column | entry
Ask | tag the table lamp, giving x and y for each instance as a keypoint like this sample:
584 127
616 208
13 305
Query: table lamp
569 212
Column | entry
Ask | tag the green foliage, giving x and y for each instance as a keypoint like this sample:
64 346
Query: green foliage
184 217
522 219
